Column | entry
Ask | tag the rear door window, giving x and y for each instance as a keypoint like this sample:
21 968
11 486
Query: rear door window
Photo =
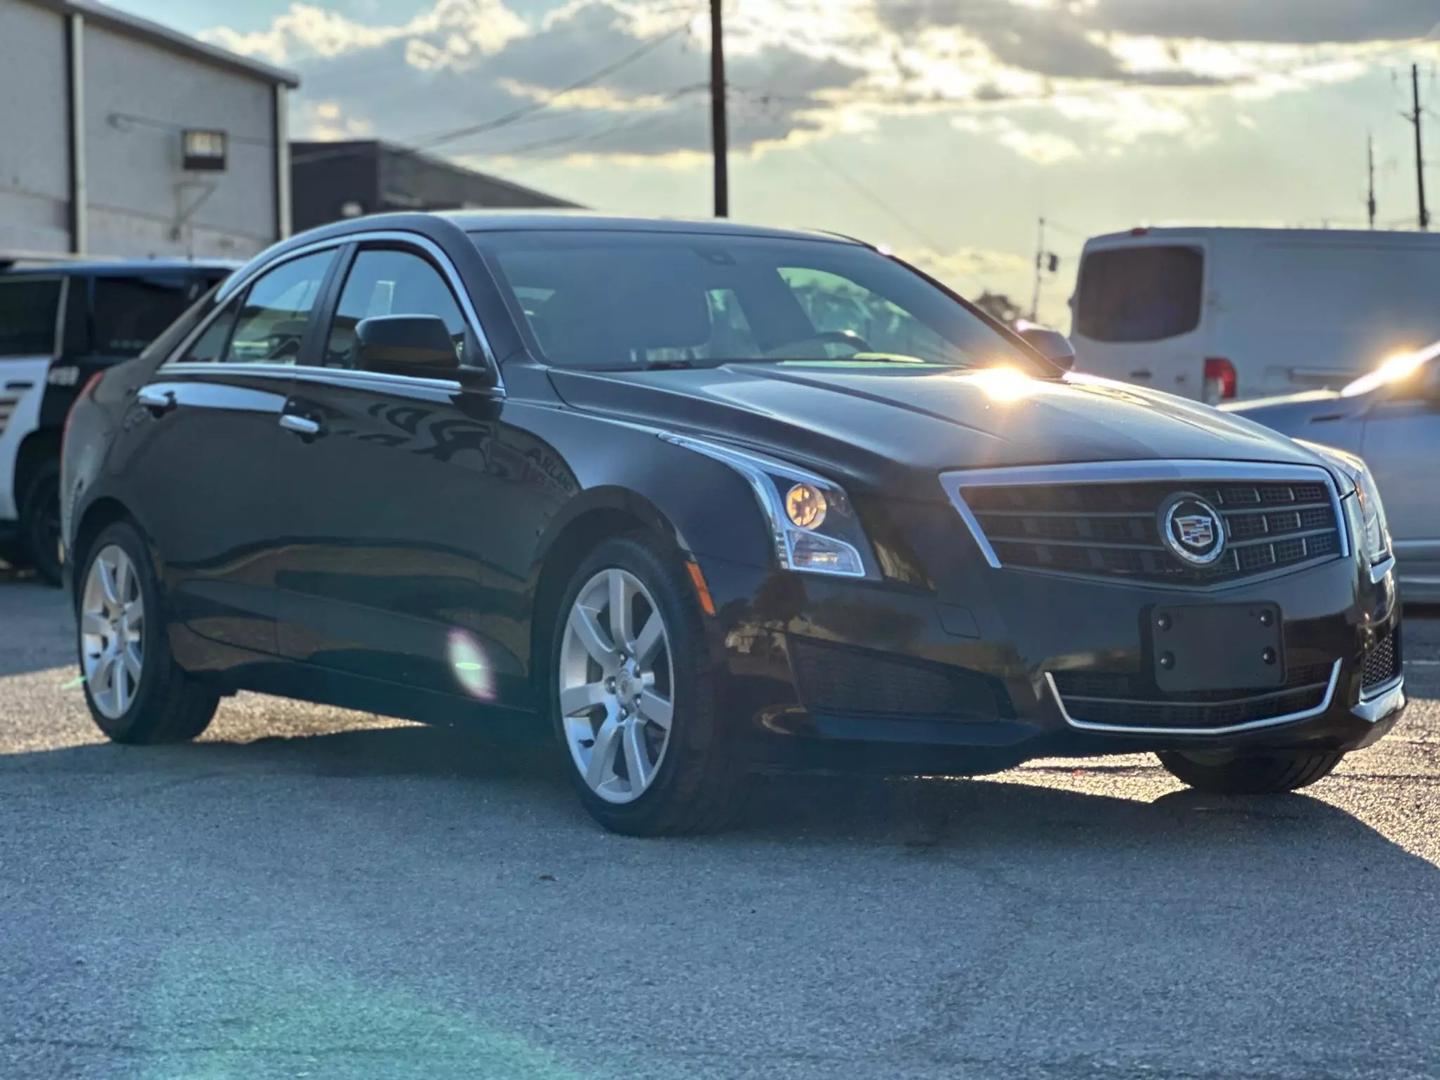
130 312
277 312
1140 293
28 310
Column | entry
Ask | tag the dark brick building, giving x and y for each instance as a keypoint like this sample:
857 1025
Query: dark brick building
332 180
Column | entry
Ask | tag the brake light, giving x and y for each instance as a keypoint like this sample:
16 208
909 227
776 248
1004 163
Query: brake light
85 392
1220 380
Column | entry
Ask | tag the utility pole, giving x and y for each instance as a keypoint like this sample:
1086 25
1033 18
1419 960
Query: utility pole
1370 164
1415 119
1039 262
719 133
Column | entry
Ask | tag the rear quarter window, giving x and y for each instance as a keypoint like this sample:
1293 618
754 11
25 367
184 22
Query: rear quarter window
28 309
1140 293
131 312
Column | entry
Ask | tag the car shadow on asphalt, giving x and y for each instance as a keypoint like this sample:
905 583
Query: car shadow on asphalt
1033 808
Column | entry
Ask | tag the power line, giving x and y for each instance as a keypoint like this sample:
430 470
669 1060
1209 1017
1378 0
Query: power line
650 121
515 115
870 196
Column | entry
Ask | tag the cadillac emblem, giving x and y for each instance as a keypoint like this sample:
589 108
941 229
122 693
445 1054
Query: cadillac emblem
1192 529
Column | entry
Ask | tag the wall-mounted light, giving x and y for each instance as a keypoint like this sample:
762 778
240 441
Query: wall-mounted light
204 150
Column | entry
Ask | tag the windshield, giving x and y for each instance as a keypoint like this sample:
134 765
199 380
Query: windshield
618 300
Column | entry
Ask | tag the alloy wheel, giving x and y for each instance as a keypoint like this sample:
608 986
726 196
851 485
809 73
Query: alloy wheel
616 686
112 631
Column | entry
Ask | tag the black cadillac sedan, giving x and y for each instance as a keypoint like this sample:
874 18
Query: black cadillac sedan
705 499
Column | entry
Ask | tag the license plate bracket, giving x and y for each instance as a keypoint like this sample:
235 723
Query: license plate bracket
1198 647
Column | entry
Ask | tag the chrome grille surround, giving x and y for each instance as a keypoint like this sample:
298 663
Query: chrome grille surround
1098 520
1293 704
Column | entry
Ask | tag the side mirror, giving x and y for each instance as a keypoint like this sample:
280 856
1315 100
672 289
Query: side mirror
418 345
1051 344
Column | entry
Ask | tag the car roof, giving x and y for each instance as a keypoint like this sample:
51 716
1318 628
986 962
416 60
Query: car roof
114 267
582 221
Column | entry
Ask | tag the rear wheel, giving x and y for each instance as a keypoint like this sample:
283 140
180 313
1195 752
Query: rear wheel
1254 774
135 690
632 696
40 523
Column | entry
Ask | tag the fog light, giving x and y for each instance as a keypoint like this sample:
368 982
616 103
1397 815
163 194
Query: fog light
805 506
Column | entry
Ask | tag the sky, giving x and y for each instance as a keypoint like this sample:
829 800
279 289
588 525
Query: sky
942 128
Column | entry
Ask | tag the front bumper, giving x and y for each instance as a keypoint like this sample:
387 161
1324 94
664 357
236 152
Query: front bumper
966 673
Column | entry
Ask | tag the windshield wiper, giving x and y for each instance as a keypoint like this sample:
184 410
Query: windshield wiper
667 365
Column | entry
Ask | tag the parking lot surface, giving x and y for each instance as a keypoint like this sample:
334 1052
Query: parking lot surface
309 892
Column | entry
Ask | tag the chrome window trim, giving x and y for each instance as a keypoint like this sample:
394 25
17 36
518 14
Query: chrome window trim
241 280
1109 472
310 373
1249 725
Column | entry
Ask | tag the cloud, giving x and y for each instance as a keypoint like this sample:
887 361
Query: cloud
1291 21
1115 71
464 62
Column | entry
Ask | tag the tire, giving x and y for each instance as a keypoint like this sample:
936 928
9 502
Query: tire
692 777
1258 774
40 523
163 704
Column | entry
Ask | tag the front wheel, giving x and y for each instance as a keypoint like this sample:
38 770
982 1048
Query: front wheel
633 698
1256 774
135 690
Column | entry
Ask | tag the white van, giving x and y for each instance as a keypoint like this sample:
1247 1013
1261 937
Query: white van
1214 313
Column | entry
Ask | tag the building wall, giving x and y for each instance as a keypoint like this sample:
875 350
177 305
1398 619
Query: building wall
326 177
416 180
34 129
138 99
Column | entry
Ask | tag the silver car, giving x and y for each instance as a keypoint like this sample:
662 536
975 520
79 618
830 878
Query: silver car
1391 418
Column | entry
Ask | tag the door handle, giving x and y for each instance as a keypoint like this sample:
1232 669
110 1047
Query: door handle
1141 374
300 425
158 402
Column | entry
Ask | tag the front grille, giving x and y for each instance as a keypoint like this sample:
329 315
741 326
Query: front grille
841 680
1111 528
1099 699
1382 662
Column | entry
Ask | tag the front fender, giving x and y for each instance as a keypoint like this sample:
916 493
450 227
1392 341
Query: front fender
705 507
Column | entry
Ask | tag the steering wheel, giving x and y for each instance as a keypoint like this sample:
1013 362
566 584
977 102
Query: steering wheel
826 337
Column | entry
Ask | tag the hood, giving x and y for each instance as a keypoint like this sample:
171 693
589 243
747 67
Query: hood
898 426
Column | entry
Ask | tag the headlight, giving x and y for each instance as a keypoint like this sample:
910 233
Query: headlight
1368 515
814 527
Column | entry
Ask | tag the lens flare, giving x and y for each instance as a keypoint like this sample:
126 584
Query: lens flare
470 666
1004 383
1395 368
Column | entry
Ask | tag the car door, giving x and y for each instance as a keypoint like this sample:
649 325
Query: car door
399 528
1401 444
203 446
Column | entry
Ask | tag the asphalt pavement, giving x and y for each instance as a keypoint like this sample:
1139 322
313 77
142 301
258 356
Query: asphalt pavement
310 892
